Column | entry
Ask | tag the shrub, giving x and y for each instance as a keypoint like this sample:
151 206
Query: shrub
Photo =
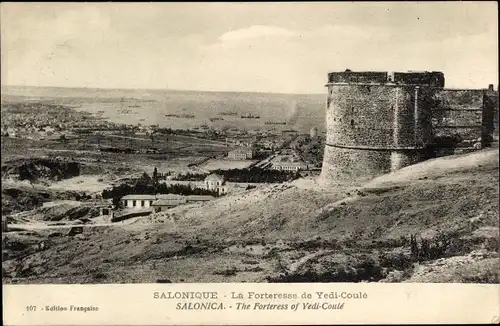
487 272
429 249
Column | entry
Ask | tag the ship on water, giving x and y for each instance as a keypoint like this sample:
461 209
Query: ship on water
186 116
216 119
275 122
250 116
122 110
229 113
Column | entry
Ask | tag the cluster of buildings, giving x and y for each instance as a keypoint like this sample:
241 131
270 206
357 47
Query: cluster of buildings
160 202
288 163
242 141
38 121
242 153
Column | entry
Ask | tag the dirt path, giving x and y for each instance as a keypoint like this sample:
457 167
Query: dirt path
42 226
296 265
74 151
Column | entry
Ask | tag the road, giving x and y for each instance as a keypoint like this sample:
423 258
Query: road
215 142
41 226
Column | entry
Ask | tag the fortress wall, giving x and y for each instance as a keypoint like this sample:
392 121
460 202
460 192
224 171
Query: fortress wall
347 164
374 124
380 121
426 101
457 119
360 116
490 116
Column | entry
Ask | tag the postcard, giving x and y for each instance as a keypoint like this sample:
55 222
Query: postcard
250 163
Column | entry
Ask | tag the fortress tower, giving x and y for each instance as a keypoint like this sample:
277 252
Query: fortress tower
377 122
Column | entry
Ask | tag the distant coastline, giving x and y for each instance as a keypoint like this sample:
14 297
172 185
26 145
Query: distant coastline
195 108
319 93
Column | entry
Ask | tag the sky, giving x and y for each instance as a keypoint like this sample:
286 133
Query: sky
261 47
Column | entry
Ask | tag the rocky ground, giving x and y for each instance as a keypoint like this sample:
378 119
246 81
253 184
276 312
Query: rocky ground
436 221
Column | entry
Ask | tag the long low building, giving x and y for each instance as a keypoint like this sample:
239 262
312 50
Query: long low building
288 163
289 166
160 202
170 200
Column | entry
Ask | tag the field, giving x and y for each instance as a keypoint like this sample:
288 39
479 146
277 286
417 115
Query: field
171 147
226 164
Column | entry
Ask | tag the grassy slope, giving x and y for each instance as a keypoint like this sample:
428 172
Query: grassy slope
230 235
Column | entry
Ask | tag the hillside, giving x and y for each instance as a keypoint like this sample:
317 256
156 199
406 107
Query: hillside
297 232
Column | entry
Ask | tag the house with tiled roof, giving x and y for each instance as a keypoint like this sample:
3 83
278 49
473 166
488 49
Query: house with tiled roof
170 200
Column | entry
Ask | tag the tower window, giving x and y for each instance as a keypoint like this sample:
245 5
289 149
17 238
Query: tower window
352 123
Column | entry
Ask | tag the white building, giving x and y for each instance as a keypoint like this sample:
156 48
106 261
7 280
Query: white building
138 201
289 166
288 163
215 182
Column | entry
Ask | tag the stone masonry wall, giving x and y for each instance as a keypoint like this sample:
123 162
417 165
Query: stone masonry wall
342 164
457 119
360 116
490 117
377 122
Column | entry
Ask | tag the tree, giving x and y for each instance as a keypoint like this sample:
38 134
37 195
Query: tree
155 179
25 173
144 181
63 139
98 139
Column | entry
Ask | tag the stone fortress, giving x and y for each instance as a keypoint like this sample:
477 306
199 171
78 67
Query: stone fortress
379 122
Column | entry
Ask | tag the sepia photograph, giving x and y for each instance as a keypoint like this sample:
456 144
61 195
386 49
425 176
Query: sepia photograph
323 142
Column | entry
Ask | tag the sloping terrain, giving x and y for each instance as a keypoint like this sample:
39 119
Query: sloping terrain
431 222
29 182
60 210
18 196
